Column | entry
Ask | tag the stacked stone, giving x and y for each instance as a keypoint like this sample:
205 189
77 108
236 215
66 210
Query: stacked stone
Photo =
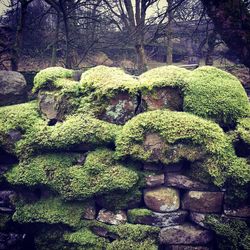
117 162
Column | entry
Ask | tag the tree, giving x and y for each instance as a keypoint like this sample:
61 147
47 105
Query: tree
231 19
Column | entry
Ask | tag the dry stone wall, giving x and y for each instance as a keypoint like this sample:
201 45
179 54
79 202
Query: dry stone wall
161 161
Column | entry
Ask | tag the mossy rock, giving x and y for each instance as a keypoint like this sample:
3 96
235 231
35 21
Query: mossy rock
48 78
206 139
131 245
215 94
100 174
243 130
50 211
78 132
231 233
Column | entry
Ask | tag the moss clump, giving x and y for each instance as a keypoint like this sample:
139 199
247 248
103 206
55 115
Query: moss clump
231 233
76 130
100 174
133 214
243 130
131 245
51 211
166 76
48 78
85 238
215 94
21 117
175 128
107 81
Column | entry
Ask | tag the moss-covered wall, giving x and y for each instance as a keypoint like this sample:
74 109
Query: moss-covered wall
159 161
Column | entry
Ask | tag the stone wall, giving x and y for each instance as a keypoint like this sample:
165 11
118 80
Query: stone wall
161 161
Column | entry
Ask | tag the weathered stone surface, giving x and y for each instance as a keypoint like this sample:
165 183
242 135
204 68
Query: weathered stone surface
155 180
12 88
161 98
161 219
238 212
185 247
113 218
5 201
120 109
182 181
204 202
103 232
162 199
198 218
185 235
89 211
154 144
53 105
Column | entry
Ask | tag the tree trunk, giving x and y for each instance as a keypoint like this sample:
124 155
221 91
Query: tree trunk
55 42
141 58
231 19
16 50
169 35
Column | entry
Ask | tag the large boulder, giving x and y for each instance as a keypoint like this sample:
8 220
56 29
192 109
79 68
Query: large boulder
12 88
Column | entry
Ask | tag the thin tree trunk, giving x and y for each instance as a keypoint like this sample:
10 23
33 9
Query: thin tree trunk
141 58
16 50
169 34
55 42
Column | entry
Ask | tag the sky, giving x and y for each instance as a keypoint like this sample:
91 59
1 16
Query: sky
2 6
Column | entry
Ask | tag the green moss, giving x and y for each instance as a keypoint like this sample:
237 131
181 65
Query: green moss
50 211
133 214
243 130
85 238
21 117
75 130
106 81
131 245
100 174
48 78
231 233
175 128
215 94
166 76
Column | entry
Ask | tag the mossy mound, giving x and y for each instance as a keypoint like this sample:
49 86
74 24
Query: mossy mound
243 130
76 130
215 94
231 233
49 78
100 174
49 210
178 134
107 81
166 76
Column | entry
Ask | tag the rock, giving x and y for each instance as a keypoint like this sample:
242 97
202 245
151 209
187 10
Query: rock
161 98
238 212
103 232
182 181
152 166
199 219
12 88
185 235
186 247
203 202
5 201
53 105
154 144
157 219
162 199
113 218
11 240
119 109
89 211
154 180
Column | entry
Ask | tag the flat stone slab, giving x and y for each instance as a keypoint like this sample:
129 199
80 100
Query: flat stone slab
186 234
238 212
155 180
203 202
113 218
162 199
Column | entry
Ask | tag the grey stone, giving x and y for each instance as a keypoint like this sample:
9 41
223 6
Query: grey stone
203 202
238 212
185 234
12 88
162 199
154 180
199 219
113 218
